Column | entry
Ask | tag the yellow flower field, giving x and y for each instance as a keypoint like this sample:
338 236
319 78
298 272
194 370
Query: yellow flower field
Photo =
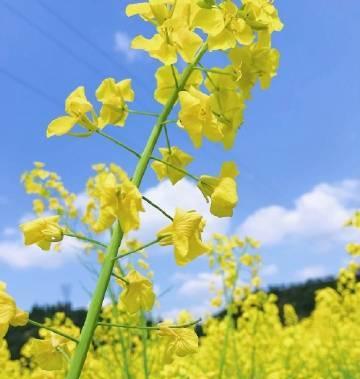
252 338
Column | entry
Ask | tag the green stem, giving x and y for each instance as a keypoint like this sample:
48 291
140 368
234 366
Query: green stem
224 350
87 333
83 238
138 249
176 168
124 350
167 138
120 278
157 207
152 114
144 338
80 135
170 122
182 326
210 79
212 71
129 149
60 333
229 324
174 76
155 134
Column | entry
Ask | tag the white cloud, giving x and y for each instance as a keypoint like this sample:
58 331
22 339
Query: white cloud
199 284
318 214
197 287
269 270
81 201
184 195
199 310
8 232
15 254
311 272
122 45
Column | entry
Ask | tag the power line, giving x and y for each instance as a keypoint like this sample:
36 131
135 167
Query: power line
53 39
30 87
92 44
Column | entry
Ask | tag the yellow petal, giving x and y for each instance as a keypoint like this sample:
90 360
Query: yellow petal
211 21
20 318
60 126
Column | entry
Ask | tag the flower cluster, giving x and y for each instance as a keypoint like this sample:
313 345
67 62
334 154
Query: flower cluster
254 326
113 96
205 103
10 314
113 196
51 194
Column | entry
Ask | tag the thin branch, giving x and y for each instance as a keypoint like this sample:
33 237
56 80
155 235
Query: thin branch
157 207
120 278
212 71
167 138
83 238
176 168
187 325
174 76
152 114
174 121
62 334
137 250
129 149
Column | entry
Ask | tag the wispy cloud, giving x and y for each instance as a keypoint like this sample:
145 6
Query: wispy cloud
15 254
311 272
316 215
122 45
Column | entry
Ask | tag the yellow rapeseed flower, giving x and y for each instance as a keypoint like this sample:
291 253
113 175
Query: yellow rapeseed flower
261 14
167 78
252 63
76 106
228 106
174 156
38 206
138 293
179 342
42 231
197 118
115 197
51 353
185 235
174 33
353 249
114 95
9 313
155 11
234 28
221 190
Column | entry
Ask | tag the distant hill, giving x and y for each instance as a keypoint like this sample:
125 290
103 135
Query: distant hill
301 296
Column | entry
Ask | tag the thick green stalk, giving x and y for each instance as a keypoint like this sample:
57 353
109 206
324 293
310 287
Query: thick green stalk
155 134
144 338
87 333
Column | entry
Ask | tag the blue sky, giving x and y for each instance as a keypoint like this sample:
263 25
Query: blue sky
297 152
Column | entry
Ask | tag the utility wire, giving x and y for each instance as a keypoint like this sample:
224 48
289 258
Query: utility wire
92 44
81 35
51 38
30 87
